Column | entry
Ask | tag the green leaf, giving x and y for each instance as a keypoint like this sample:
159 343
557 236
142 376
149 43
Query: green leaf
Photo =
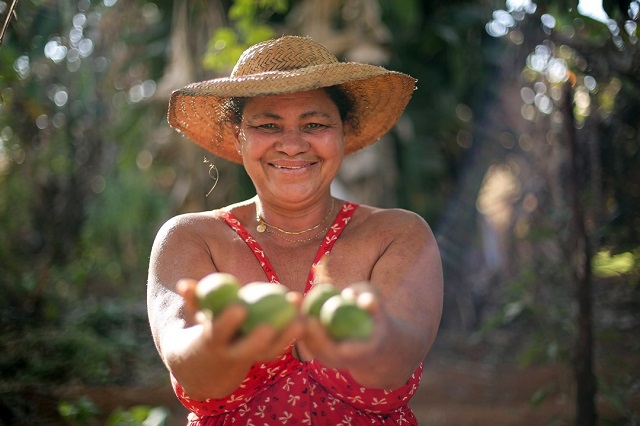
606 265
540 395
259 33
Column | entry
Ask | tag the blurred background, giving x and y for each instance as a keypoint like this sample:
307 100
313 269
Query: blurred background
520 148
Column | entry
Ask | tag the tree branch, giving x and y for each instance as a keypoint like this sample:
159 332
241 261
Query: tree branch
8 18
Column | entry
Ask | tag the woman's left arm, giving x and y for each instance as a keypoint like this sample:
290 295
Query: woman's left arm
407 285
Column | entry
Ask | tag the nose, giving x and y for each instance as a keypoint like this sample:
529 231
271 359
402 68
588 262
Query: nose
292 142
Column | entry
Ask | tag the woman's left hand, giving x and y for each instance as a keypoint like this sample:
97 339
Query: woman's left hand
348 353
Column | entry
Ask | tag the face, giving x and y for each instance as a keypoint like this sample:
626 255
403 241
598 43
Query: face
292 145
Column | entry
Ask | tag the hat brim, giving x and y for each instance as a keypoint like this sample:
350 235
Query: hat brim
379 98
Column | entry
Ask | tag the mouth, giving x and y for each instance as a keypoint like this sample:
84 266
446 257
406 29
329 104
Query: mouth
297 166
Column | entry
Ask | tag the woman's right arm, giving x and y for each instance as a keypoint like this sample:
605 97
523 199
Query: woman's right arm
204 356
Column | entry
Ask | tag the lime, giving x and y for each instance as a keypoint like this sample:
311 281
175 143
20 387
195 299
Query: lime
266 304
315 298
344 320
216 291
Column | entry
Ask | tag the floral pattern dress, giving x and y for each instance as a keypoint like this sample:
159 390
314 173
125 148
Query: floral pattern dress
287 391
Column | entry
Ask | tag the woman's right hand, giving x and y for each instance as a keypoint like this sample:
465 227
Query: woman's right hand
209 357
222 333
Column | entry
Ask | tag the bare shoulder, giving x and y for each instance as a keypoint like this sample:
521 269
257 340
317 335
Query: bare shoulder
184 246
394 222
198 224
188 223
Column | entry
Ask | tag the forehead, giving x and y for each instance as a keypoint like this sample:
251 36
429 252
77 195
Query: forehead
302 102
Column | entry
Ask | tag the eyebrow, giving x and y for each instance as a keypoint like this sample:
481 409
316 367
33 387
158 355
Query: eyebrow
315 114
265 115
305 115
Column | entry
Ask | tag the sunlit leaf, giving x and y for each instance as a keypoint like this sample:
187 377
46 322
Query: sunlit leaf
606 265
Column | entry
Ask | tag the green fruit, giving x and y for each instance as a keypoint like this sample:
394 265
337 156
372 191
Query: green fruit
315 298
344 320
266 304
216 291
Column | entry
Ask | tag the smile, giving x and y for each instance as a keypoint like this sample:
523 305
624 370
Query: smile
291 167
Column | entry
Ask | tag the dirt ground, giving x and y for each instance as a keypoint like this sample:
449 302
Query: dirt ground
457 389
474 394
451 394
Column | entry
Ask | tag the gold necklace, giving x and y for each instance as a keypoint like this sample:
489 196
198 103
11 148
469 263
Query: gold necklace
304 240
263 225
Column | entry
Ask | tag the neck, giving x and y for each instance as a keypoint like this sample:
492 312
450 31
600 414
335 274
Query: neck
298 225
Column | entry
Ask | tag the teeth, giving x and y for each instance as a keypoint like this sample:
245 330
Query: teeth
286 167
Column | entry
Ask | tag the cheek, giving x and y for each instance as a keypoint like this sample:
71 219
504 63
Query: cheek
337 146
253 147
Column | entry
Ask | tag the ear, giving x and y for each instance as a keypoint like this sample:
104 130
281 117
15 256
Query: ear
238 139
346 127
346 130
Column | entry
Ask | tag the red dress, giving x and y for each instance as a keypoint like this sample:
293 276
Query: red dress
287 391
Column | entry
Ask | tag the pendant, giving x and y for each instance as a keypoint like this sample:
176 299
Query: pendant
261 227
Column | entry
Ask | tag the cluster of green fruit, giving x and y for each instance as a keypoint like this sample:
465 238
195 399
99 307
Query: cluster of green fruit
267 303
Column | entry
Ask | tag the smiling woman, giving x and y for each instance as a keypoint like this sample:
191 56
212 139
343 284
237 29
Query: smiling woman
292 145
289 113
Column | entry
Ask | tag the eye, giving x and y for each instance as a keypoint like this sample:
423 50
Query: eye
264 127
314 126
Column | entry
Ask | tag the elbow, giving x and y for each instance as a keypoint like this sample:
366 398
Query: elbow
201 393
390 379
198 388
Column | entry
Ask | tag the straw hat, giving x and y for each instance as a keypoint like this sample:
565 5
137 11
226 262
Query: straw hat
285 65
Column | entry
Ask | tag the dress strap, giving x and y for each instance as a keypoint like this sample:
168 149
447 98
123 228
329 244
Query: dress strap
344 216
340 222
253 245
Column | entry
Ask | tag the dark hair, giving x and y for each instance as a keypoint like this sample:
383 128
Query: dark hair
339 96
342 100
235 108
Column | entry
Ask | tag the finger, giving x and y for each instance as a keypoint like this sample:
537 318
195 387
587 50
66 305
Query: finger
292 332
365 295
255 345
295 297
265 342
353 290
227 324
315 336
368 301
187 289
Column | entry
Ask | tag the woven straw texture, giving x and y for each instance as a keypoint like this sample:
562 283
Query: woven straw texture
286 65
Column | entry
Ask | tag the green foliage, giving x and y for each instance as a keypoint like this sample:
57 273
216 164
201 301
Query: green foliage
446 48
406 15
619 394
95 343
79 204
53 131
84 411
537 305
249 27
541 394
246 13
80 412
118 222
139 415
605 265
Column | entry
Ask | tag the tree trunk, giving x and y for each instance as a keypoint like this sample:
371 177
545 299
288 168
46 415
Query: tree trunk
581 263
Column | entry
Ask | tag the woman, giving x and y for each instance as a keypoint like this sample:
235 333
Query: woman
289 113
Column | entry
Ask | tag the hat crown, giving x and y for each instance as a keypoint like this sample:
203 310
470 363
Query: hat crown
283 54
